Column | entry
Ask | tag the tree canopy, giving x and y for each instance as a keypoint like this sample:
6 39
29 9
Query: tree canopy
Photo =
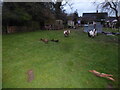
24 13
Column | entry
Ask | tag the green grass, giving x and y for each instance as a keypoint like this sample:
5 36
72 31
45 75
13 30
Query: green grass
58 65
111 30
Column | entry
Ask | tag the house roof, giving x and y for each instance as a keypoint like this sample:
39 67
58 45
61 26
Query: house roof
95 16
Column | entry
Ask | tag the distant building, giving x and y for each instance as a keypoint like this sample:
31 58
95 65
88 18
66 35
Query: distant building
54 25
70 23
98 17
94 20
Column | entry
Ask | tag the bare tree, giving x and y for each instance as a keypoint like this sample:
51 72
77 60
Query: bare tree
112 7
58 5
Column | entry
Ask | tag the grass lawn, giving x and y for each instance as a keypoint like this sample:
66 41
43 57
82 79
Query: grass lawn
58 65
111 30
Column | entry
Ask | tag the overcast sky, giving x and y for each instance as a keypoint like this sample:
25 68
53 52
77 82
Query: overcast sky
83 6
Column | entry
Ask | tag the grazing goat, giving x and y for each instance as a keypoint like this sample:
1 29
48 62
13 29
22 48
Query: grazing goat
53 40
92 33
44 40
66 33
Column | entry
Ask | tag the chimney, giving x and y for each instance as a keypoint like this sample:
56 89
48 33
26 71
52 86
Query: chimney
97 11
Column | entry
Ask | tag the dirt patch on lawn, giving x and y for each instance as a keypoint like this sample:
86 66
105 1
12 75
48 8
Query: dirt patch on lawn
30 75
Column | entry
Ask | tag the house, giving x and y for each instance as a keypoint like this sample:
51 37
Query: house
70 23
94 20
90 17
54 25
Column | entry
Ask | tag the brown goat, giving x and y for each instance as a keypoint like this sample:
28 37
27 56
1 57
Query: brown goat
44 40
108 76
53 40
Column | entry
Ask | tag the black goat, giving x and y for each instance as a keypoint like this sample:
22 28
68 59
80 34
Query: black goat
54 40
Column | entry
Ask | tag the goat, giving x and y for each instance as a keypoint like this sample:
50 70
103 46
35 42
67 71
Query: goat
66 33
44 40
92 33
108 76
55 40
